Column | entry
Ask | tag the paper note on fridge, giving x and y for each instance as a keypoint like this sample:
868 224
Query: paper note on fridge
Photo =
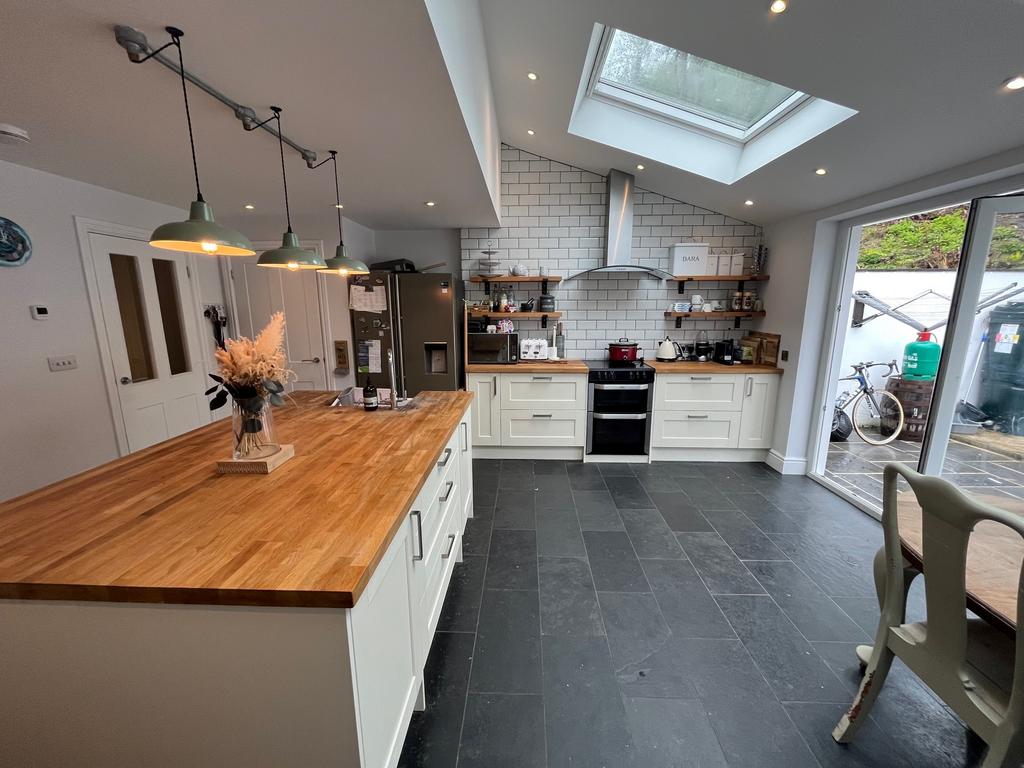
367 298
368 356
1006 337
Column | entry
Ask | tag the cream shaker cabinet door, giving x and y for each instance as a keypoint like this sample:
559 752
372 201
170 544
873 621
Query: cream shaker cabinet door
698 392
760 392
486 408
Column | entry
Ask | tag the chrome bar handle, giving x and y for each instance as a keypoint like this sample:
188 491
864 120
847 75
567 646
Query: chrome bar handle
447 457
542 378
620 416
447 493
622 386
693 416
451 546
700 378
495 385
541 415
465 436
750 386
419 533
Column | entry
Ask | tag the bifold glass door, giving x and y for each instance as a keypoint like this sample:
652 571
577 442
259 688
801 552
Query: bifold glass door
975 431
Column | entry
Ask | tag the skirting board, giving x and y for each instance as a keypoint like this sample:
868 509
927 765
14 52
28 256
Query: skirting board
786 465
632 459
541 452
708 454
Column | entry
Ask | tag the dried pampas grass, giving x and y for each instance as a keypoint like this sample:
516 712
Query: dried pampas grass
248 362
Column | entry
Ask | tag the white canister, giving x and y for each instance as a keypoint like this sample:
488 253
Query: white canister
713 264
735 264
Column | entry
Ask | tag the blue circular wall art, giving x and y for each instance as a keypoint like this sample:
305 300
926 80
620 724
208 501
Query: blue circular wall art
15 246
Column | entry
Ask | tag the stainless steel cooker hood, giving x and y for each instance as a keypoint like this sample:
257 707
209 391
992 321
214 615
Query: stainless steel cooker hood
618 236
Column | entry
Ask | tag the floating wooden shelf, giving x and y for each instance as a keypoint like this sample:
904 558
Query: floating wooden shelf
515 279
723 278
542 316
737 316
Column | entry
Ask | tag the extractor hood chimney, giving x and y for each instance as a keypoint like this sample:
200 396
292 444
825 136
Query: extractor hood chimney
618 235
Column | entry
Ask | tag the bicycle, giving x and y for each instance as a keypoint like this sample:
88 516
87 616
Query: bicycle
877 416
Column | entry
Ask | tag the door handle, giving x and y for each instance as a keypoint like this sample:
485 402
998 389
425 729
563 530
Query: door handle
313 360
495 386
419 533
542 378
700 378
613 387
448 493
465 436
750 386
451 546
125 380
692 416
447 457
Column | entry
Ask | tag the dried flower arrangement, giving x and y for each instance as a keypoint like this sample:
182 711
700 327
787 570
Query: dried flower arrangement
253 373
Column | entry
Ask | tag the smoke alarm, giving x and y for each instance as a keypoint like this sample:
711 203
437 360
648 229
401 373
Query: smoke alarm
12 134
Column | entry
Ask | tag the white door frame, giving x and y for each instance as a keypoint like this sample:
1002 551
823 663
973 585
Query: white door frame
83 228
317 246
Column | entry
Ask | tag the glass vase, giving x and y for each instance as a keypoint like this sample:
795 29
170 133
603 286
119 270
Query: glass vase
252 425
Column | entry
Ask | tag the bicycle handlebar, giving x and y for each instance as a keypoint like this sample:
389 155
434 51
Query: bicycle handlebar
863 366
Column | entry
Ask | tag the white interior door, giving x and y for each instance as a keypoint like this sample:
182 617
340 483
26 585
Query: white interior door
146 297
258 292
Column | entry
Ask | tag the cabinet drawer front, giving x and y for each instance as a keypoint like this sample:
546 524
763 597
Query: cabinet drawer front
558 390
450 456
696 429
538 426
703 392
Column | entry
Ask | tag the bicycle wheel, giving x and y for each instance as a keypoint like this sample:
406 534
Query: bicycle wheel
877 417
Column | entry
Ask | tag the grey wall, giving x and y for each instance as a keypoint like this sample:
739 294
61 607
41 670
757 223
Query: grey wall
423 246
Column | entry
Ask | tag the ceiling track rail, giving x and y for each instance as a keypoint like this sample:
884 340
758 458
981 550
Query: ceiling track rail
139 50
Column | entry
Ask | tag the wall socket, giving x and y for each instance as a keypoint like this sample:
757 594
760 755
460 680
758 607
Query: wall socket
62 363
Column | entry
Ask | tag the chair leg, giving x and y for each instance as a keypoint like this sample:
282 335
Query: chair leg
1007 749
870 686
909 574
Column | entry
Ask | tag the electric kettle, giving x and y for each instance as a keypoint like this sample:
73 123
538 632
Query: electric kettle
668 350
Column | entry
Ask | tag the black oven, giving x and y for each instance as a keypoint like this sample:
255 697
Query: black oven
500 348
619 410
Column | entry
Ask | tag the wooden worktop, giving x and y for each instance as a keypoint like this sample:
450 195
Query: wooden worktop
688 366
538 366
161 526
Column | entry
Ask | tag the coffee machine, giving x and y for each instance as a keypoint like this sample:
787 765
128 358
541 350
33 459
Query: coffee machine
725 352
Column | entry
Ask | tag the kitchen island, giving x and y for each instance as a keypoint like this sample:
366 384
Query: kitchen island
153 612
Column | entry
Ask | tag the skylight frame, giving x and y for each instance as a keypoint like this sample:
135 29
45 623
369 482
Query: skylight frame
638 100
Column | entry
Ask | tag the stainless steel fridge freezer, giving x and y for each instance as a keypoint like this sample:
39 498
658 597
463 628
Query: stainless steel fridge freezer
413 315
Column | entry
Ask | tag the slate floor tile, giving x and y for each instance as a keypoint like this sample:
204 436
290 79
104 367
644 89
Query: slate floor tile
585 477
672 733
705 494
650 534
614 563
583 710
476 540
462 603
558 534
634 625
841 565
596 511
627 492
507 657
679 512
615 469
503 731
745 538
512 562
871 749
433 738
718 566
548 467
813 612
655 480
686 605
764 514
515 509
568 602
789 663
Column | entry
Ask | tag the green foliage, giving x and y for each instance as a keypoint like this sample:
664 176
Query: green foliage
933 241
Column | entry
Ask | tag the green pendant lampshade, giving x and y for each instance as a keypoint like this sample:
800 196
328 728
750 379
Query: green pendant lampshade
291 255
343 265
201 234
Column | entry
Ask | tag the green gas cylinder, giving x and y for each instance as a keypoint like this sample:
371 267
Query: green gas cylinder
921 358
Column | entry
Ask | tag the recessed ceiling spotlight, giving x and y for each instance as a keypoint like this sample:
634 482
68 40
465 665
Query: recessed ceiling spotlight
821 171
430 203
249 206
748 202
529 131
12 134
532 75
338 205
1014 83
778 6
639 166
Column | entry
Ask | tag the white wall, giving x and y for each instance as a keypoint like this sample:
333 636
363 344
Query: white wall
56 424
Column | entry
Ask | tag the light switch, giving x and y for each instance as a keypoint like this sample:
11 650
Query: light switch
62 363
39 311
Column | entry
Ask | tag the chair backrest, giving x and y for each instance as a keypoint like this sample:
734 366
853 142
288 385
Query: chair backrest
948 517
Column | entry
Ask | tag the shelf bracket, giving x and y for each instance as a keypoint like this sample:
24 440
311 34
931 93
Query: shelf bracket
487 287
544 286
681 285
544 320
679 322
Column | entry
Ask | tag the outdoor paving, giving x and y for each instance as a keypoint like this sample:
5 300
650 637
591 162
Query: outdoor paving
858 467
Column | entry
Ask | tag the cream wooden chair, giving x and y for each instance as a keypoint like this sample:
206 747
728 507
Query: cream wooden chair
935 649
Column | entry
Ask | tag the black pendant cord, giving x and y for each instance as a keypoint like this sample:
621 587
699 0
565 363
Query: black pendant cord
176 38
284 176
337 195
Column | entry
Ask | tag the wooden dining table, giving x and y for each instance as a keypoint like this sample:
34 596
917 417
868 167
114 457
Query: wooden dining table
994 557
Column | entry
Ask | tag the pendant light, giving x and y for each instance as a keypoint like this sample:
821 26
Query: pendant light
290 255
200 233
341 264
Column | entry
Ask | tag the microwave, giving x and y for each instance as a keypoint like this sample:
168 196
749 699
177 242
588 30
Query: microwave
493 348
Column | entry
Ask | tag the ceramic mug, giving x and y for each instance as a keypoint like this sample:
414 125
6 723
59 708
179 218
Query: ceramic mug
696 300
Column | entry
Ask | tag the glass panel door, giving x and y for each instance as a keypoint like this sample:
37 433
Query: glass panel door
975 430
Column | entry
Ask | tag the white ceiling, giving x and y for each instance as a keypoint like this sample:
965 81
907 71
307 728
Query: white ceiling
925 76
366 78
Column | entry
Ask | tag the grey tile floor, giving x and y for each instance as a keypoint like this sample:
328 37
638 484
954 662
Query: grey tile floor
665 615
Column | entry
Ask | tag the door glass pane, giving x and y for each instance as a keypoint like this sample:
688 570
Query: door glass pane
125 270
170 314
985 448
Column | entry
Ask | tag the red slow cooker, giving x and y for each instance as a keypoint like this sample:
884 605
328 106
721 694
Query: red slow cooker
623 351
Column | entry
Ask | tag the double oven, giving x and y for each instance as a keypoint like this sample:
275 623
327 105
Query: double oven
619 401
